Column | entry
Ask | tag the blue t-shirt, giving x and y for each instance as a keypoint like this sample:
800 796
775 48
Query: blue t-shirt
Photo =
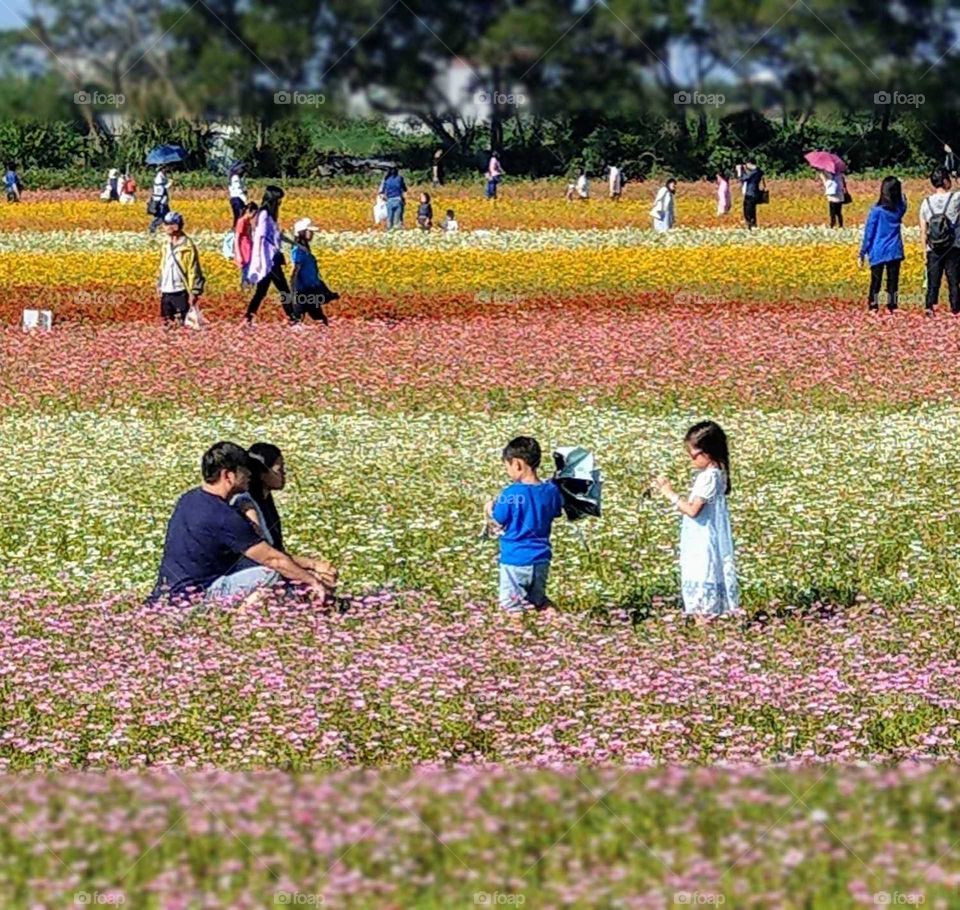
10 180
526 512
394 186
205 538
307 276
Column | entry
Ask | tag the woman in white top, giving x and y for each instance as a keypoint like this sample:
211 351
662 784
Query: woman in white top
160 198
615 179
663 213
834 186
238 191
708 577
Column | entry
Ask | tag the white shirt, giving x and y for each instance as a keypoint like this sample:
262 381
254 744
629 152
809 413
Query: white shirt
583 186
237 189
171 275
450 225
160 184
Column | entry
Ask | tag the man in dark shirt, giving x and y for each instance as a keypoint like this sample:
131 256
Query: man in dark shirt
207 538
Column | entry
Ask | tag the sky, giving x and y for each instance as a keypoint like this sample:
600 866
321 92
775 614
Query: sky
12 11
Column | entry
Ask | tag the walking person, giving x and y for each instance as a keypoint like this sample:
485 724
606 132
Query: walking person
310 291
494 175
237 191
394 191
159 203
266 260
437 171
724 201
834 187
663 211
751 178
12 183
243 242
181 279
111 192
882 243
950 161
425 213
708 577
939 214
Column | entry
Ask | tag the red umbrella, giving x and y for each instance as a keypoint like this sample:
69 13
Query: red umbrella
825 161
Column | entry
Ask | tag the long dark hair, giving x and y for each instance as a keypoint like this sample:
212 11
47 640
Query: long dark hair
271 201
891 194
710 439
263 456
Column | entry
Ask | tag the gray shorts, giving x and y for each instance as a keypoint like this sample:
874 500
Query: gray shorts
523 587
242 583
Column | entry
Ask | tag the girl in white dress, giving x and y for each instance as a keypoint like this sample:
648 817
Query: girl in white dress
707 572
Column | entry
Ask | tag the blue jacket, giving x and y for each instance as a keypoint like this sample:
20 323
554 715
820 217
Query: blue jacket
881 235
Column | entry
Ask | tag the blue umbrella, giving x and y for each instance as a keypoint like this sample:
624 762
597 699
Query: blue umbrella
167 154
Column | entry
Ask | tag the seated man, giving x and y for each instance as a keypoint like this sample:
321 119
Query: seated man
207 538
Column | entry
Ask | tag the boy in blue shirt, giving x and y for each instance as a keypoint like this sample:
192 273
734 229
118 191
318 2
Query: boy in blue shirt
525 510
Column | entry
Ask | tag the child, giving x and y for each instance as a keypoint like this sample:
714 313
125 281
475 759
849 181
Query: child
707 572
181 279
310 293
525 511
128 190
380 210
425 213
12 183
243 241
723 193
450 222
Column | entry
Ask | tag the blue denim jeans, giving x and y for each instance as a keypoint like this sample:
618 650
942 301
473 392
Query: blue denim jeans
523 587
242 583
394 212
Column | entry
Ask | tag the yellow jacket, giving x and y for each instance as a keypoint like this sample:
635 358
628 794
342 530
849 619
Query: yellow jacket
188 261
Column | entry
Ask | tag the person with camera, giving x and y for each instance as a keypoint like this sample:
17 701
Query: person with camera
754 191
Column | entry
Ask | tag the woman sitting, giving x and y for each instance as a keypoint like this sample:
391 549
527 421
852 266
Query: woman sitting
268 475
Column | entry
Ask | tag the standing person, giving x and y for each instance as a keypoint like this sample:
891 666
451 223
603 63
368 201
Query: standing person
437 169
615 181
310 292
751 178
707 571
882 243
268 476
834 186
206 539
663 211
243 242
583 185
939 214
394 190
494 174
181 278
449 224
724 201
525 511
237 191
159 203
266 259
425 213
950 161
12 183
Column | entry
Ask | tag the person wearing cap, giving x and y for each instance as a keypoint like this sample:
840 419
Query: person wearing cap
310 292
181 278
111 192
207 540
237 191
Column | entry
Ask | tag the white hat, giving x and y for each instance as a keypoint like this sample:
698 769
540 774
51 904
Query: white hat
304 224
114 172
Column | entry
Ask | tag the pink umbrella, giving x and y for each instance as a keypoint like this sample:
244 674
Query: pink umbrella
825 161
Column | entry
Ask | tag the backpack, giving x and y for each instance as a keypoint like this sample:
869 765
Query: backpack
941 231
226 248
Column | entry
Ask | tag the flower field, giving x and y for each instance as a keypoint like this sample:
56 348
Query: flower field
416 750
